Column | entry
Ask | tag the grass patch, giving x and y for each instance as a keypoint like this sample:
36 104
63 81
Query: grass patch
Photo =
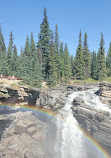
89 80
22 83
108 79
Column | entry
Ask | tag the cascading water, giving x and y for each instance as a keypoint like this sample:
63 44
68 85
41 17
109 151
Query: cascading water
69 138
91 99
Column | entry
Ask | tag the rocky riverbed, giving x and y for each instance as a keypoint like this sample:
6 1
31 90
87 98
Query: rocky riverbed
24 135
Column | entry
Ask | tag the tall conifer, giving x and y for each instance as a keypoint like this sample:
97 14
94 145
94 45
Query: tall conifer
43 44
57 55
27 47
32 44
101 60
52 65
14 61
79 62
10 54
108 61
72 65
94 66
61 52
86 58
67 66
3 61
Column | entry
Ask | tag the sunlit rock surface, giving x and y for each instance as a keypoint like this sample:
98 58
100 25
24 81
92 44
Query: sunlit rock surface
24 138
51 99
20 95
24 135
94 121
105 93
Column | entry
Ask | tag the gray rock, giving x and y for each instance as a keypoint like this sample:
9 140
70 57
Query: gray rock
95 122
75 87
78 101
18 95
105 93
25 138
51 99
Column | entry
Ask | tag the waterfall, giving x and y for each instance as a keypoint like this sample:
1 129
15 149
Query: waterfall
91 99
69 138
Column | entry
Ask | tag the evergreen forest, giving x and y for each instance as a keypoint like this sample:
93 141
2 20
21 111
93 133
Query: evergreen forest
49 59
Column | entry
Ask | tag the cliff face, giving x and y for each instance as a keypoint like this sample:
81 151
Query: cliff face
55 98
105 93
95 122
18 95
51 99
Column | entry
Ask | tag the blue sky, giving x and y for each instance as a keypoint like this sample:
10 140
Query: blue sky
24 16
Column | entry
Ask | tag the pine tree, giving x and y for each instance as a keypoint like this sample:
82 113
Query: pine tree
57 55
35 73
21 50
39 55
24 62
32 44
94 66
27 47
9 54
29 67
61 52
3 62
86 58
43 44
20 63
2 43
52 65
108 61
67 66
79 62
72 65
14 61
101 60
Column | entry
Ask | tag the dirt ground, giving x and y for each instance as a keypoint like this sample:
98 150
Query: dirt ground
7 81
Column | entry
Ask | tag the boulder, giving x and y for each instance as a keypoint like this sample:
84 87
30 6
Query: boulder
74 88
78 101
51 99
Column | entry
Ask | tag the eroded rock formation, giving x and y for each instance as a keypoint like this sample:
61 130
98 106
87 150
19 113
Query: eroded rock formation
95 122
24 138
105 93
51 99
18 95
